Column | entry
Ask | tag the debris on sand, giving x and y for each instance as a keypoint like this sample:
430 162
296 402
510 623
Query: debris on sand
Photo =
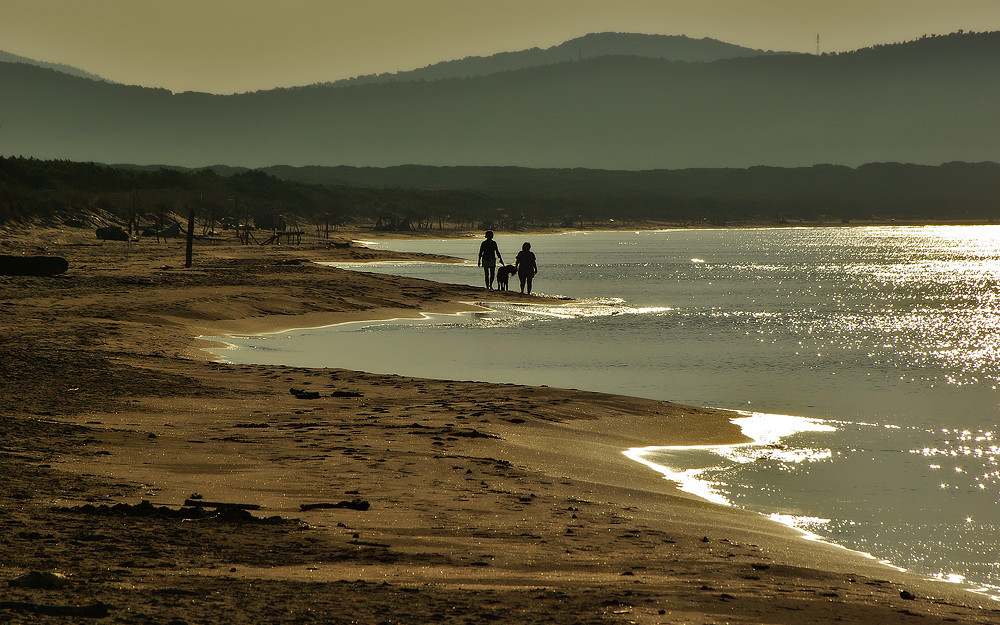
346 394
200 511
94 610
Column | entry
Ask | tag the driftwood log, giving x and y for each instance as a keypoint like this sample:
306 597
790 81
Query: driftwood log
32 265
354 504
218 504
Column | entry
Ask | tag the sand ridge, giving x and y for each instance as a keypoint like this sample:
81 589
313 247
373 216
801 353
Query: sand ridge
486 502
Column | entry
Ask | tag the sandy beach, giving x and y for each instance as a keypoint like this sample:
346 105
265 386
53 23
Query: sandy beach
383 500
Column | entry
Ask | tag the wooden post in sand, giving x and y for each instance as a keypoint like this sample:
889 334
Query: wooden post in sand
190 239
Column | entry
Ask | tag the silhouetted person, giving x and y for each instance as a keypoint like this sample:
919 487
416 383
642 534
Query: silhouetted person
526 266
488 254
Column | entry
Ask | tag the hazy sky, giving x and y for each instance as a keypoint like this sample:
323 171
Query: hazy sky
224 46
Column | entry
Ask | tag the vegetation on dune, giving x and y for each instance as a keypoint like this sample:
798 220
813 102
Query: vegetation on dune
66 190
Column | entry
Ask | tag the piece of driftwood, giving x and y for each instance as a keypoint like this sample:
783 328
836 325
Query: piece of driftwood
32 265
354 504
198 503
288 235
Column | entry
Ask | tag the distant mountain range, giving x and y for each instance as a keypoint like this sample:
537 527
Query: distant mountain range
617 102
664 47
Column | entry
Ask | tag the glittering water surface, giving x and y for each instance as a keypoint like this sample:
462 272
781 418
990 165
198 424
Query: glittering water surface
882 341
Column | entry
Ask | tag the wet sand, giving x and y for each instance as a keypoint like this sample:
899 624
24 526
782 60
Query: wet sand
425 500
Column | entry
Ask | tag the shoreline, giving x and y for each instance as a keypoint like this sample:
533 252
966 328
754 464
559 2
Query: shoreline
680 483
257 326
685 485
635 454
476 492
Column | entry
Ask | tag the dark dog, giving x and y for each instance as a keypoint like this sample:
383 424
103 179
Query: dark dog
504 272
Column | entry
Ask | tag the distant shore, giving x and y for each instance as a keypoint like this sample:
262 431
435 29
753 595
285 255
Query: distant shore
364 233
424 500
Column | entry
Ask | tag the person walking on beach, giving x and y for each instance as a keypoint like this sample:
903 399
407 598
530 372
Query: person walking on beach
488 255
526 266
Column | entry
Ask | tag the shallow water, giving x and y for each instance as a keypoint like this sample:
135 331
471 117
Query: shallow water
883 339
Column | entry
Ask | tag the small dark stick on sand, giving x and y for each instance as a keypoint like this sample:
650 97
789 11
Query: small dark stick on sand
190 240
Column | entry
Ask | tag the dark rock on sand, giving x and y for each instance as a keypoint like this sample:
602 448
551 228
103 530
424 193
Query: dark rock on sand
112 233
38 579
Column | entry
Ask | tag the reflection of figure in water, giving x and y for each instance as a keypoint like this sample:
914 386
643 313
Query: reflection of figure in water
488 254
526 267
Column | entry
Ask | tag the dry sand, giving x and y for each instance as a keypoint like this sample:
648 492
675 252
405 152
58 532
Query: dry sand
457 502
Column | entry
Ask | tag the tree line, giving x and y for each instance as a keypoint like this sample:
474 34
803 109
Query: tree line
409 198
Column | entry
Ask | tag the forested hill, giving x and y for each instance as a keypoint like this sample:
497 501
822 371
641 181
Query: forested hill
7 57
928 101
665 47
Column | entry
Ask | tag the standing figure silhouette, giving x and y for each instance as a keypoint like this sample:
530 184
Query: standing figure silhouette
488 254
526 266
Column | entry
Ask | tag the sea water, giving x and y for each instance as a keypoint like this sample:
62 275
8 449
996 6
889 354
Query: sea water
865 359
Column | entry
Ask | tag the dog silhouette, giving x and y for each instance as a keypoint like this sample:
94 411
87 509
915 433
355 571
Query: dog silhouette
504 273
